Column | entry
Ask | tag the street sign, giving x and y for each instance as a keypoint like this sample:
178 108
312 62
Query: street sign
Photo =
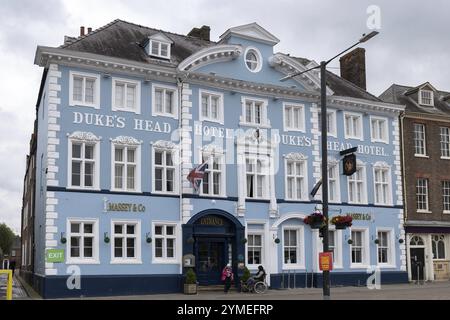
54 255
326 261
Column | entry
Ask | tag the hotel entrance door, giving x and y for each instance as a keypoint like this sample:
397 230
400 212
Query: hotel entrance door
210 261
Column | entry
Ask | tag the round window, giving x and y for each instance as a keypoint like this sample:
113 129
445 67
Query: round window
253 60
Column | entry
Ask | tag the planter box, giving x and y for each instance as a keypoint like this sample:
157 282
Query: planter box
190 288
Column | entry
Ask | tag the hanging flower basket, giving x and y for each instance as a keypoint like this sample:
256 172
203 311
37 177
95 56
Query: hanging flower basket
315 220
342 222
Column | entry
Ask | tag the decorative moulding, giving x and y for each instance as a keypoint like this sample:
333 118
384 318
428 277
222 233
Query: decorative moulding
296 156
161 144
84 136
125 140
212 149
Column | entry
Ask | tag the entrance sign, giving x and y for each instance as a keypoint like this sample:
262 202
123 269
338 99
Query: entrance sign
55 255
326 261
211 221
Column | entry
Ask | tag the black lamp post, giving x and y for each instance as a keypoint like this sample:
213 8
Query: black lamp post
323 110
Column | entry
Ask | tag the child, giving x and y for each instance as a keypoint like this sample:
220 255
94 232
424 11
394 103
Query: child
227 277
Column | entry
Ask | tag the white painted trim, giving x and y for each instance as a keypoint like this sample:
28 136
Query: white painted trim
95 244
366 248
137 250
386 129
392 248
177 244
303 122
288 216
137 97
431 104
262 232
223 169
221 52
265 121
96 103
334 132
364 181
221 106
258 59
175 160
160 42
304 187
384 166
300 248
138 167
360 125
174 89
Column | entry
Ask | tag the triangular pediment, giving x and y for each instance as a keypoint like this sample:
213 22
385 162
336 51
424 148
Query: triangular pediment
251 31
160 37
423 86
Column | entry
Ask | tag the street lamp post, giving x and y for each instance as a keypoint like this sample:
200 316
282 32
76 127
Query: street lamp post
324 140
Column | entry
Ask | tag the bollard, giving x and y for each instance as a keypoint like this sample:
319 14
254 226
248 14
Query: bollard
9 283
306 278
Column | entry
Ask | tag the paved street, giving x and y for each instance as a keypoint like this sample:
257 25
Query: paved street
18 291
428 291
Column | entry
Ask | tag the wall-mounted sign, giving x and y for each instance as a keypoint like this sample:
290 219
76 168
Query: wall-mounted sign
211 221
326 261
54 255
189 261
122 206
361 216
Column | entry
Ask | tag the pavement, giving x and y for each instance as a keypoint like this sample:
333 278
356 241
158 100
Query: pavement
18 291
410 291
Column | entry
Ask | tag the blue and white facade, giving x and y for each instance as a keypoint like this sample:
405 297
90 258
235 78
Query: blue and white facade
117 139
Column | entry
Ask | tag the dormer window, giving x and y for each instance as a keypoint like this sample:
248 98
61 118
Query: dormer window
426 97
160 49
159 46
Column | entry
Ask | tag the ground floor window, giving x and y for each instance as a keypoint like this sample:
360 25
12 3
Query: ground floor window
165 238
384 247
82 241
291 246
254 249
438 245
358 247
125 241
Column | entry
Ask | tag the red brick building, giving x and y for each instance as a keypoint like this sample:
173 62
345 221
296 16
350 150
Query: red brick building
425 127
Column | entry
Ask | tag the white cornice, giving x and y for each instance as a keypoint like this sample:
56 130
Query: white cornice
125 140
223 52
338 101
84 136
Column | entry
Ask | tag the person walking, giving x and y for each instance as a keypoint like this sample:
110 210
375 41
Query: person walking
227 277
12 266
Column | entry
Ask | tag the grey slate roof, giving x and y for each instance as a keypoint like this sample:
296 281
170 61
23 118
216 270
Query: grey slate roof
121 39
397 94
126 40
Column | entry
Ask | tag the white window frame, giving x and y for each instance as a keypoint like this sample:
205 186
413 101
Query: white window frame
391 248
258 59
433 243
72 102
175 106
365 249
421 102
385 129
360 126
291 106
330 124
255 232
137 181
96 160
138 238
222 170
265 122
304 187
177 243
266 186
443 196
137 95
335 166
387 168
175 161
427 195
424 154
220 111
160 43
95 242
300 248
364 185
337 263
444 142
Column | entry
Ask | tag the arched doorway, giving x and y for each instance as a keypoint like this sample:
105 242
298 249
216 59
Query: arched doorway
215 238
417 258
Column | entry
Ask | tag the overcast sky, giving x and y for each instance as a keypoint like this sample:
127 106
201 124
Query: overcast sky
413 47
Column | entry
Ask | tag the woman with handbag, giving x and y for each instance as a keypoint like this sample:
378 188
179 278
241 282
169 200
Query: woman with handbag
227 277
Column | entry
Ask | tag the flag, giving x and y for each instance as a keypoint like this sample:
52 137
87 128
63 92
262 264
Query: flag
196 175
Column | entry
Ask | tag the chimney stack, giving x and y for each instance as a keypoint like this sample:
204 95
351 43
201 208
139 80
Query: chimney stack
353 67
89 30
200 33
81 31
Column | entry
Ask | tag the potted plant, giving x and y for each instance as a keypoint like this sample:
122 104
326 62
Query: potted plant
315 220
342 222
190 284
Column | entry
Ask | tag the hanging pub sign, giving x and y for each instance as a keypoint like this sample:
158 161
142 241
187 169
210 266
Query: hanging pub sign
349 162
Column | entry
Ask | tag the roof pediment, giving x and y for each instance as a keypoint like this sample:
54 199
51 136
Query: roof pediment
160 37
426 86
251 31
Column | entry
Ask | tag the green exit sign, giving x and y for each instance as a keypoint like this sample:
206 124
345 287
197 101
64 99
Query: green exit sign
55 255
